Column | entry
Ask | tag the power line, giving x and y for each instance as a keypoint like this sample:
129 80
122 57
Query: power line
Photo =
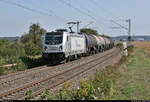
108 12
78 10
88 24
87 9
50 11
96 3
81 6
90 11
120 25
24 7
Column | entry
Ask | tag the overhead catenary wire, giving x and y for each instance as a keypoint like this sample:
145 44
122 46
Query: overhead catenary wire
48 10
90 11
96 3
29 9
80 11
88 24
44 11
77 9
24 7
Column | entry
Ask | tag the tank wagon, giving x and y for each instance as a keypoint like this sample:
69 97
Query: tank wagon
91 44
102 43
62 45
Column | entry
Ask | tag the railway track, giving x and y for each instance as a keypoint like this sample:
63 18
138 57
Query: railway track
71 76
37 86
4 78
16 80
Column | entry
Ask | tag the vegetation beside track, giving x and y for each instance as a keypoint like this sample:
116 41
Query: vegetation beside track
134 83
99 86
128 80
21 55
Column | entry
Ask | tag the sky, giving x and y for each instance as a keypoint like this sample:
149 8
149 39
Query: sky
17 15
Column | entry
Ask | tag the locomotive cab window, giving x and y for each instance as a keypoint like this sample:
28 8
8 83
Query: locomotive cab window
53 39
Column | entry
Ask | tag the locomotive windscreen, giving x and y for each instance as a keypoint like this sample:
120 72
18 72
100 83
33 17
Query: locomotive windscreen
53 38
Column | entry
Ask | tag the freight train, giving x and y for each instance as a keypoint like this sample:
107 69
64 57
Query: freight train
64 46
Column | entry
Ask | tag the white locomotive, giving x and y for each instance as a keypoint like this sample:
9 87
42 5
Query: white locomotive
62 45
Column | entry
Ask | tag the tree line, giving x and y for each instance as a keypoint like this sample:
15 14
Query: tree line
21 53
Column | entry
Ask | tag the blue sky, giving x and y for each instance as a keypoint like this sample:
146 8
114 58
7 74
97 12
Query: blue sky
15 21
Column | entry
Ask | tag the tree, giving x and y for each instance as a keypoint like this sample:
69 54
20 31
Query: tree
34 34
31 49
18 48
33 40
5 48
89 31
105 36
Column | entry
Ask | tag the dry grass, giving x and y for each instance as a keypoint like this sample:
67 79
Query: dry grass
134 82
143 45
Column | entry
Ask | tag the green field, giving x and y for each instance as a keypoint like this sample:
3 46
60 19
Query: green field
134 83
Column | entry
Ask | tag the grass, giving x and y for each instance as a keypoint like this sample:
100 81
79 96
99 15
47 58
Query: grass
134 83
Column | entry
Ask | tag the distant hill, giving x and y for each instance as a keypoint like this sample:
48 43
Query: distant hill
11 39
135 38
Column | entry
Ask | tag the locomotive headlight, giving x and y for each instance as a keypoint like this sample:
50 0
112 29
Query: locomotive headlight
60 48
45 48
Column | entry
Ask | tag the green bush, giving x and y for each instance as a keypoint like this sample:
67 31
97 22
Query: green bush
88 90
1 70
65 93
28 95
32 62
47 95
10 53
31 49
89 31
